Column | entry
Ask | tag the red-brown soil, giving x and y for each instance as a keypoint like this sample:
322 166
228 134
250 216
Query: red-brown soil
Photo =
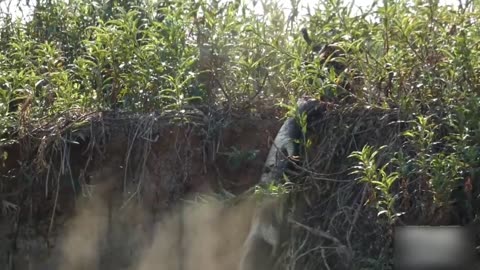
127 215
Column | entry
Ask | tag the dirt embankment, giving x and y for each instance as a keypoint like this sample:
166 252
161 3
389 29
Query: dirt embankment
114 193
143 192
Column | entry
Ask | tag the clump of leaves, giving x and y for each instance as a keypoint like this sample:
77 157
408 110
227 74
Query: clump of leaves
272 189
369 172
442 170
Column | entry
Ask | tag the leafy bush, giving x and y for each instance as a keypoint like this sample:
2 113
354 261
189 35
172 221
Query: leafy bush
140 56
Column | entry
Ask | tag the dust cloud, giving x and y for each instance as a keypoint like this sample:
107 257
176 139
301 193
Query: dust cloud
201 235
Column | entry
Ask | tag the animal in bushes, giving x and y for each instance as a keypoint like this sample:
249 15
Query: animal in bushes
268 223
286 150
332 58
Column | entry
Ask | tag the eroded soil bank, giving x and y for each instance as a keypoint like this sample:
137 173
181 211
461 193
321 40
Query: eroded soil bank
116 193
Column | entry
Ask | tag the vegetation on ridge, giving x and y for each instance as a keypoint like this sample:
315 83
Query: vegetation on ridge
417 58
